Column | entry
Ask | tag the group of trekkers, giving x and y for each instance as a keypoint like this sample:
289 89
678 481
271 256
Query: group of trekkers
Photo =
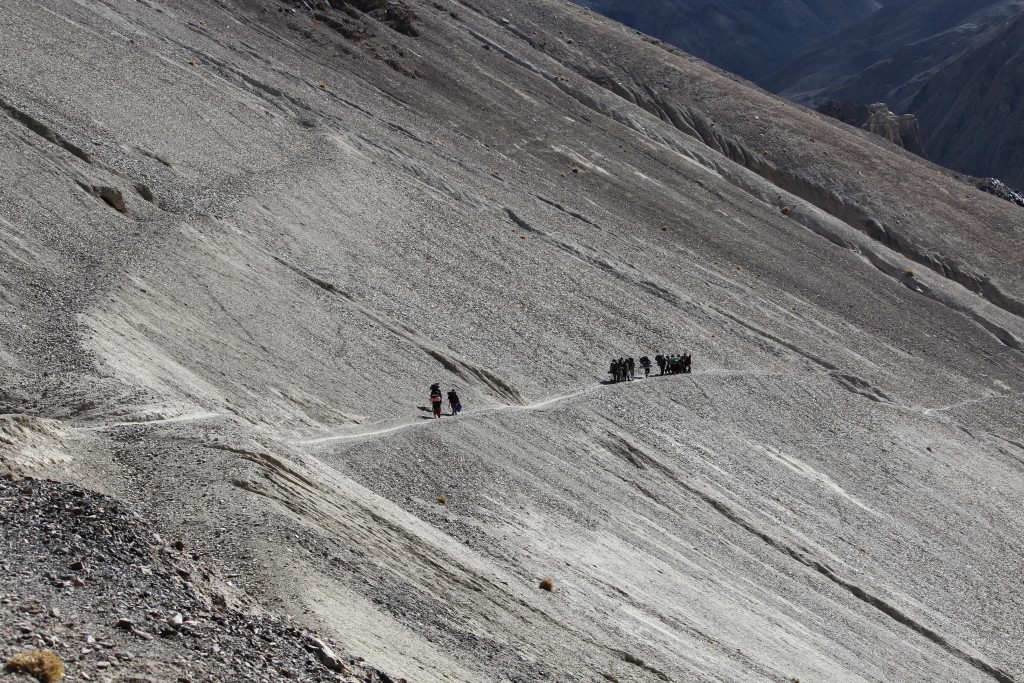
624 369
436 400
621 370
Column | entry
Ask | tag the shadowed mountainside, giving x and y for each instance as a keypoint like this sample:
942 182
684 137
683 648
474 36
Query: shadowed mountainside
747 38
885 56
235 257
954 65
973 109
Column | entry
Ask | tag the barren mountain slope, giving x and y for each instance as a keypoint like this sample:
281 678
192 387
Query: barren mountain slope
325 212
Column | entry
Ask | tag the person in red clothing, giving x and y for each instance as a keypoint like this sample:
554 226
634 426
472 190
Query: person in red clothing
435 399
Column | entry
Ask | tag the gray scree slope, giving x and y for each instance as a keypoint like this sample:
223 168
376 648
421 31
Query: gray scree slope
239 243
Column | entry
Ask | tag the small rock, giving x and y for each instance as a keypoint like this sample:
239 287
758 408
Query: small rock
176 621
178 545
126 624
77 566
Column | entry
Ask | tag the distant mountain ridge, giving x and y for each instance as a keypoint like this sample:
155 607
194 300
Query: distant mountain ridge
873 58
745 37
972 110
955 64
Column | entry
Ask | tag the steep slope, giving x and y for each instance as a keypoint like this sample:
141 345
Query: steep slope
973 109
747 38
234 258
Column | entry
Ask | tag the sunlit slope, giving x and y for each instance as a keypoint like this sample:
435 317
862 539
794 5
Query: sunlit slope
831 495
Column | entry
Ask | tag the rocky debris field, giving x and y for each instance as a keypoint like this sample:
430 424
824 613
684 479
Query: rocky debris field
84 577
1001 190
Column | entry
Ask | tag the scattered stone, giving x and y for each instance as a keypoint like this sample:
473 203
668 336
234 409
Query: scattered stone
328 658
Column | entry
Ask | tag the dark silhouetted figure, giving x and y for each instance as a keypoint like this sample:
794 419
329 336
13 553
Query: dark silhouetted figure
645 363
435 399
675 365
454 402
630 369
660 360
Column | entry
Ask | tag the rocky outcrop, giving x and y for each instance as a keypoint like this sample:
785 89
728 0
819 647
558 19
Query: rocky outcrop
900 129
1000 189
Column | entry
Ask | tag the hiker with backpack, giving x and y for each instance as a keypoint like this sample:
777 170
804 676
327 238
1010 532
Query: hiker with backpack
435 399
661 361
645 363
454 402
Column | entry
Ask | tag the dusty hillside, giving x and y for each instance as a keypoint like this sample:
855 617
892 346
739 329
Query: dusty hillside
240 240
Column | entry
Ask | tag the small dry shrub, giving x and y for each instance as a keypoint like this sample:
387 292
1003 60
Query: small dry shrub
547 584
910 272
577 170
786 210
442 499
43 664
